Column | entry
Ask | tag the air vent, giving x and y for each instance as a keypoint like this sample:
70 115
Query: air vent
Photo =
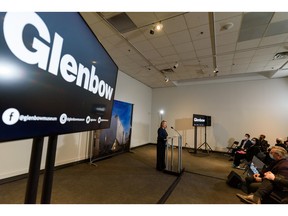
122 23
281 55
167 70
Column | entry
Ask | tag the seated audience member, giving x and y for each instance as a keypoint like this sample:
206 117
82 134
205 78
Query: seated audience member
263 143
279 166
245 144
271 183
286 141
279 142
246 153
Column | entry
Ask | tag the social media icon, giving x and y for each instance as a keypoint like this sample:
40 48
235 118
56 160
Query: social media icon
88 119
10 116
63 118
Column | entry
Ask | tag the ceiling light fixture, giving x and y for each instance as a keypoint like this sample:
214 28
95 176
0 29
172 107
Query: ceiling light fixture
176 65
226 26
166 79
159 26
215 71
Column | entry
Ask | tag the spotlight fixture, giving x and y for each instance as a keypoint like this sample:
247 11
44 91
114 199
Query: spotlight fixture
176 65
215 71
166 79
157 27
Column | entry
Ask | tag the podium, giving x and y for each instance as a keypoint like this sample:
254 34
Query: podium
173 165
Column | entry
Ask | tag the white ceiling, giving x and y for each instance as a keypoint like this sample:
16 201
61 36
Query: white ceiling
198 42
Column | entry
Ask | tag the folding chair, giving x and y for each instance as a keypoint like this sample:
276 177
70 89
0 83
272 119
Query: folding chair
233 146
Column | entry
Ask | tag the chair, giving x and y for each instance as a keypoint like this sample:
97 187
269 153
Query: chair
233 146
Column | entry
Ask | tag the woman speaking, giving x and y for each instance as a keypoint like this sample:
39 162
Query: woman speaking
161 144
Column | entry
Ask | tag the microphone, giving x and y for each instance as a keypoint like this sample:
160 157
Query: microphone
176 130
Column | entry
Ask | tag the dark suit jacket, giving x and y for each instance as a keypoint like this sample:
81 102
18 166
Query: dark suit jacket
279 167
247 145
162 136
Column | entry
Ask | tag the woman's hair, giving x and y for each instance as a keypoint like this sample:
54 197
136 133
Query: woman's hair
162 122
280 151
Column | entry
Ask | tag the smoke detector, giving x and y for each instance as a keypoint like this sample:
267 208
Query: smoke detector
281 55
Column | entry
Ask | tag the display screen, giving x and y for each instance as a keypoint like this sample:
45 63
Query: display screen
55 76
199 120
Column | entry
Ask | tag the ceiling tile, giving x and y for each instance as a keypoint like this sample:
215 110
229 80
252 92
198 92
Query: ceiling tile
224 63
252 20
91 18
196 19
159 42
184 47
202 44
227 38
279 16
266 51
273 39
151 54
142 18
166 51
101 29
252 33
246 54
143 45
187 55
219 16
200 32
179 37
261 58
241 61
134 36
276 28
174 24
225 57
225 49
204 52
248 44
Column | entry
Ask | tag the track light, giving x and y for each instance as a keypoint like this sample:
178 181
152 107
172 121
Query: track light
176 65
215 71
157 27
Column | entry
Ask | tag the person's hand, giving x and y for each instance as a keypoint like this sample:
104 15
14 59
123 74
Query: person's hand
269 175
257 177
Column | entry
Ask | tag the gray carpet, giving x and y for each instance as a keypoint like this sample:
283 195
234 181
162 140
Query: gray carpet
131 178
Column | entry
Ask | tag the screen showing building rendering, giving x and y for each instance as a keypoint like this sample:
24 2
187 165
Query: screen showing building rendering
117 138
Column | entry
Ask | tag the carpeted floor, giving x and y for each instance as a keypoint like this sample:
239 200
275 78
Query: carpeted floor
131 178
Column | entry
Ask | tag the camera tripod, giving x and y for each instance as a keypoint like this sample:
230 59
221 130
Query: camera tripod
205 143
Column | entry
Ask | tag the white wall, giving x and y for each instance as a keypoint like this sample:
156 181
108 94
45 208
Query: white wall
236 108
15 155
